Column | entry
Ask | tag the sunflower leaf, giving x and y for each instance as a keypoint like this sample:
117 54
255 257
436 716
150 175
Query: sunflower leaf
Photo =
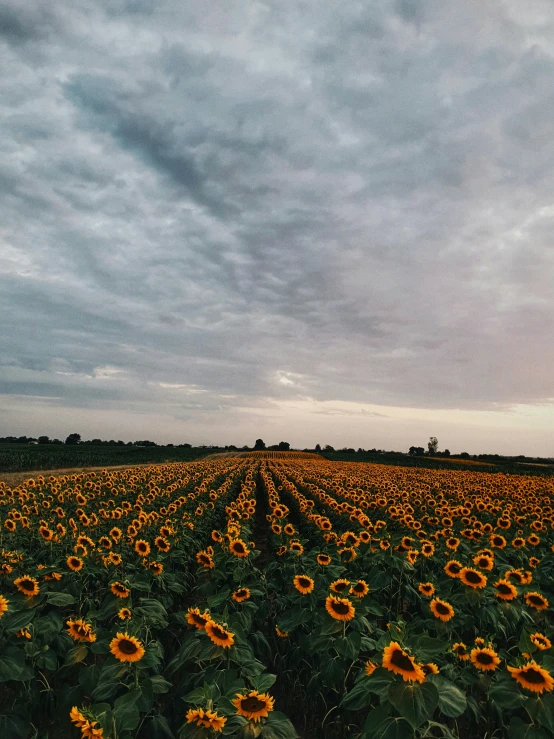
452 700
414 702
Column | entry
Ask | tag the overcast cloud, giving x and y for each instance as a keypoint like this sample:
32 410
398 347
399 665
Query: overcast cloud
225 219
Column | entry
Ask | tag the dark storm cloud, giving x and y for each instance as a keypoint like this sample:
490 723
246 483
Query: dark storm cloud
215 207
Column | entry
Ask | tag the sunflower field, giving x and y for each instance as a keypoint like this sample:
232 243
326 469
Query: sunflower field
277 595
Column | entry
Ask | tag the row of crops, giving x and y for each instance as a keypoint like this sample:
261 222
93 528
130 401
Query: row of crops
277 596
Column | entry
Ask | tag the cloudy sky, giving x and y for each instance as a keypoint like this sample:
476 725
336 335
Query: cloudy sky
302 220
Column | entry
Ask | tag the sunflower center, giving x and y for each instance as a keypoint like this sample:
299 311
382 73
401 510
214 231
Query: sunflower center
220 633
442 608
127 646
472 576
358 588
403 661
536 600
341 608
27 585
484 659
238 548
504 589
252 704
454 568
533 676
340 586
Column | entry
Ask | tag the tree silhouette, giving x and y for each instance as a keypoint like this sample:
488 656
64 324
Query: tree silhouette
73 439
432 445
259 444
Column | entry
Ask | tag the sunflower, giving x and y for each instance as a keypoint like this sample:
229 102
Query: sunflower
126 648
534 562
516 575
453 568
27 585
124 614
536 600
472 578
281 634
282 550
505 590
541 641
253 705
80 630
460 650
142 547
341 609
203 558
238 548
452 543
23 634
74 563
497 541
195 618
219 635
359 589
370 668
533 677
206 719
426 588
479 641
216 536
441 609
484 658
119 590
519 542
396 660
339 586
323 559
156 568
412 556
289 529
483 561
241 594
3 605
303 584
430 669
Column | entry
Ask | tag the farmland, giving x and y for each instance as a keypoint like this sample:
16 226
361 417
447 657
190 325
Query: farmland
277 595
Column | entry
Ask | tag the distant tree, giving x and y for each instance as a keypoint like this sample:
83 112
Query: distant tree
416 451
73 439
328 448
43 440
283 446
56 441
464 455
318 447
120 443
446 452
259 445
432 445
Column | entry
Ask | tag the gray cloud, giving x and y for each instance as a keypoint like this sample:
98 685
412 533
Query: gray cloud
357 195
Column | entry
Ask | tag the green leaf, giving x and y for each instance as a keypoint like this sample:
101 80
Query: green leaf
505 693
125 711
545 711
60 599
48 660
13 726
426 647
219 598
261 683
452 700
233 724
379 725
13 621
518 729
105 689
380 681
414 702
12 662
289 620
158 728
278 726
76 654
359 697
160 684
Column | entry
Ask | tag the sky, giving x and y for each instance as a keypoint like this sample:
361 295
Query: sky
307 221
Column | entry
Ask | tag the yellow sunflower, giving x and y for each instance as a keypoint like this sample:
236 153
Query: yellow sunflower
195 618
281 634
339 586
323 559
253 705
536 600
359 589
119 590
238 548
533 677
396 660
126 648
27 585
74 563
370 667
426 588
241 594
219 635
441 609
80 630
505 590
341 609
460 650
484 658
206 719
303 584
541 641
472 578
3 605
